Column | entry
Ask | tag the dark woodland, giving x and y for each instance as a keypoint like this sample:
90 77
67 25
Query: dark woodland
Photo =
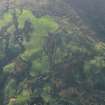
52 52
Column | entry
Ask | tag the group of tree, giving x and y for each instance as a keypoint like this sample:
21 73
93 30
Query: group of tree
45 62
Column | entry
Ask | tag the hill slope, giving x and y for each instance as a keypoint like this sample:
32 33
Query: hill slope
49 55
